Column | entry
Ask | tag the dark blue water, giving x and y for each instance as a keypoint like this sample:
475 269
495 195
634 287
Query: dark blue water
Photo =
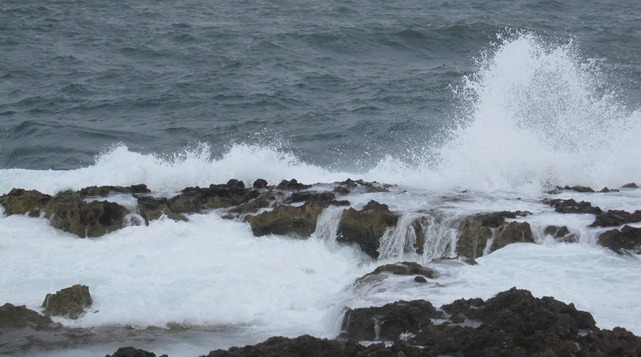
338 83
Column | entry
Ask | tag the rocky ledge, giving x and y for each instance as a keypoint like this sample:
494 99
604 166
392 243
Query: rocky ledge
291 208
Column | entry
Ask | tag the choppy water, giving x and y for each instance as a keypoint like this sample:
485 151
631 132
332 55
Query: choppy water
500 99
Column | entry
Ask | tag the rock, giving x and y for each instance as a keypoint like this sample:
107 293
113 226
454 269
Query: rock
627 239
104 191
613 218
401 268
571 206
366 227
475 231
388 322
512 232
13 317
292 185
151 209
69 302
561 234
72 214
513 323
582 189
196 199
630 185
19 201
260 183
308 346
132 352
287 220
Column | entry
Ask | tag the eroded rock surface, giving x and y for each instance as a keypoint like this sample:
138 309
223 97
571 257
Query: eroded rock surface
477 230
69 302
624 240
365 227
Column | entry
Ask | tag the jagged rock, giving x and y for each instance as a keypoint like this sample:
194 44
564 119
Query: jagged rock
260 183
69 302
561 234
401 268
627 239
292 185
582 189
366 227
287 220
19 201
132 352
13 317
196 199
308 346
513 323
151 209
476 230
630 185
104 191
388 322
613 218
72 214
571 206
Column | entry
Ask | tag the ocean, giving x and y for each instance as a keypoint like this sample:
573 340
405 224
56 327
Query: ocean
463 107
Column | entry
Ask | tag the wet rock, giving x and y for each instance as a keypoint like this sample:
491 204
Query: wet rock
388 322
151 209
260 183
512 232
69 302
613 218
72 214
571 206
625 240
104 191
366 227
287 220
292 185
475 231
513 323
19 201
561 234
13 317
582 189
132 352
196 199
401 268
308 346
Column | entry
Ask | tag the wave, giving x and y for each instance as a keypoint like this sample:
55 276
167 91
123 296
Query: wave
534 115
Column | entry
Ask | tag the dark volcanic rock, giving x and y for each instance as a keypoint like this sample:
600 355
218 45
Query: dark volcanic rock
366 227
401 268
476 230
132 352
69 302
562 234
287 220
19 201
196 199
388 322
260 183
308 346
513 323
613 218
104 191
13 317
292 185
72 214
628 239
151 209
571 206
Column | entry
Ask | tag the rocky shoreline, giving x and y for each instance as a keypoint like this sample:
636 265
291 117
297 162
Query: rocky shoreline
512 323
